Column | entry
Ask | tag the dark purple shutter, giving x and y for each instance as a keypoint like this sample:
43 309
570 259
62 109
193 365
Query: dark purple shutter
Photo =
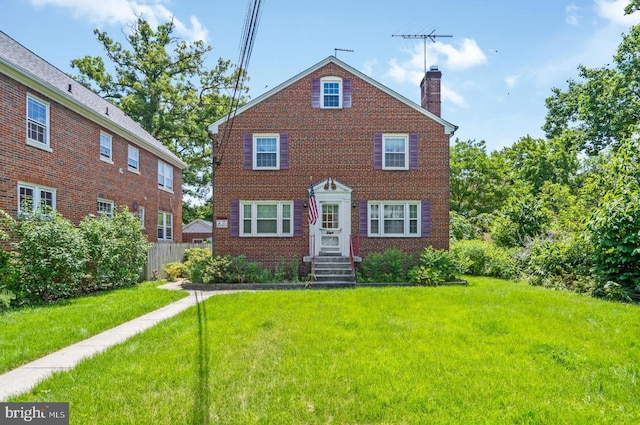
297 218
346 93
284 151
315 93
247 151
363 216
377 151
234 218
413 151
426 218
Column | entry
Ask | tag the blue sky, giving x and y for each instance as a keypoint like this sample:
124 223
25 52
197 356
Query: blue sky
504 58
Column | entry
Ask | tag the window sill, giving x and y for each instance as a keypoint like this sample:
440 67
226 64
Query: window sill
164 189
133 170
107 160
39 145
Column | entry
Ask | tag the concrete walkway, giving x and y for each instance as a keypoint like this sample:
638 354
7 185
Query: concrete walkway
25 377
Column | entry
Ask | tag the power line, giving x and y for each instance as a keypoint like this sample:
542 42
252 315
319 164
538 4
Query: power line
424 37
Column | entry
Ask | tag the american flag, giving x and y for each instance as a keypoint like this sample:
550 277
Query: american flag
313 206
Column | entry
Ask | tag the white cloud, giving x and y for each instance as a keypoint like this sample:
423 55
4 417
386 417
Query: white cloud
449 95
122 12
511 80
613 10
573 14
466 55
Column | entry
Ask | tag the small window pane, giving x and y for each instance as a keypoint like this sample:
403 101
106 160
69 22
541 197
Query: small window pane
266 152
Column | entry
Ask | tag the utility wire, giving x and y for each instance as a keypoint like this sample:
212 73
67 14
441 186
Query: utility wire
247 40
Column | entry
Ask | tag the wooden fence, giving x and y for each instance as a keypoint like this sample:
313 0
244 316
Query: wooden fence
163 253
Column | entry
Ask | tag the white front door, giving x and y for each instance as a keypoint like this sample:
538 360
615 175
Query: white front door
330 231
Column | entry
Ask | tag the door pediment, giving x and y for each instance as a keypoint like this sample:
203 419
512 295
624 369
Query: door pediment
332 186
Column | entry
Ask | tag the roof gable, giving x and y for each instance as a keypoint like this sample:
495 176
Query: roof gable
21 64
449 128
198 226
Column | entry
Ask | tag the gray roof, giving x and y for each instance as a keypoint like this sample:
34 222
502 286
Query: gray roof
25 66
448 127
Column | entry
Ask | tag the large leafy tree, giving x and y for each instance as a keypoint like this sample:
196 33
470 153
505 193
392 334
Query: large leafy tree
161 81
602 108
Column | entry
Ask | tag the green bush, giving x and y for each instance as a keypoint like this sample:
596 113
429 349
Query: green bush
196 260
50 258
117 249
438 266
563 263
215 270
392 265
484 258
242 270
521 219
175 270
461 228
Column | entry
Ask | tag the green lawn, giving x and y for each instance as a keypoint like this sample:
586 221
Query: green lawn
493 352
30 333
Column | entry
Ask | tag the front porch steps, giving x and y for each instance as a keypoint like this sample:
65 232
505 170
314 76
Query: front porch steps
332 270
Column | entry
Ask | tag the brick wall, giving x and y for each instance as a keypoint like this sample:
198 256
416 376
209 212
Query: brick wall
338 144
74 167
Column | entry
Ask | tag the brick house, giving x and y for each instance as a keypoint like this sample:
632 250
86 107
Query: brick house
377 162
63 146
197 231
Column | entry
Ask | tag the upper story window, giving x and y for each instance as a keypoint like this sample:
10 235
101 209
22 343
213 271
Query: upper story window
395 151
106 147
105 207
395 148
331 93
394 219
266 151
165 176
37 122
33 197
133 159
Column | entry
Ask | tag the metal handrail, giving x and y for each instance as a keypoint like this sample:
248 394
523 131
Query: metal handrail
353 266
313 257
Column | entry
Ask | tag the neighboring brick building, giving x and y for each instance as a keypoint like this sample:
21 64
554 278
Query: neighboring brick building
378 163
63 146
197 231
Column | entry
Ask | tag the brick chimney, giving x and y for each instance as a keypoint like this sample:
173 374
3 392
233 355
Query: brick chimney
430 90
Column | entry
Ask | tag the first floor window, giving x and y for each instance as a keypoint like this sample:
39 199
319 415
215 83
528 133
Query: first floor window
165 226
266 218
394 218
141 216
105 207
34 197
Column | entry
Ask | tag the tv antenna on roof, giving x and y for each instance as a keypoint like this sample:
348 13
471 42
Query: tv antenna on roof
335 51
431 36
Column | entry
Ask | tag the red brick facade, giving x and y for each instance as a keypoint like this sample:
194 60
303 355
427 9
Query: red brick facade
333 144
71 164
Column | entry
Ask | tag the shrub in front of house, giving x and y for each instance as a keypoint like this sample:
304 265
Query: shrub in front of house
175 270
49 258
391 265
117 250
437 266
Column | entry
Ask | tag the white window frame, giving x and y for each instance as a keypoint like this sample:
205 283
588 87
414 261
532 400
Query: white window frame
255 151
165 221
136 168
106 141
105 207
385 139
165 176
45 145
141 216
253 219
408 218
36 196
331 80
